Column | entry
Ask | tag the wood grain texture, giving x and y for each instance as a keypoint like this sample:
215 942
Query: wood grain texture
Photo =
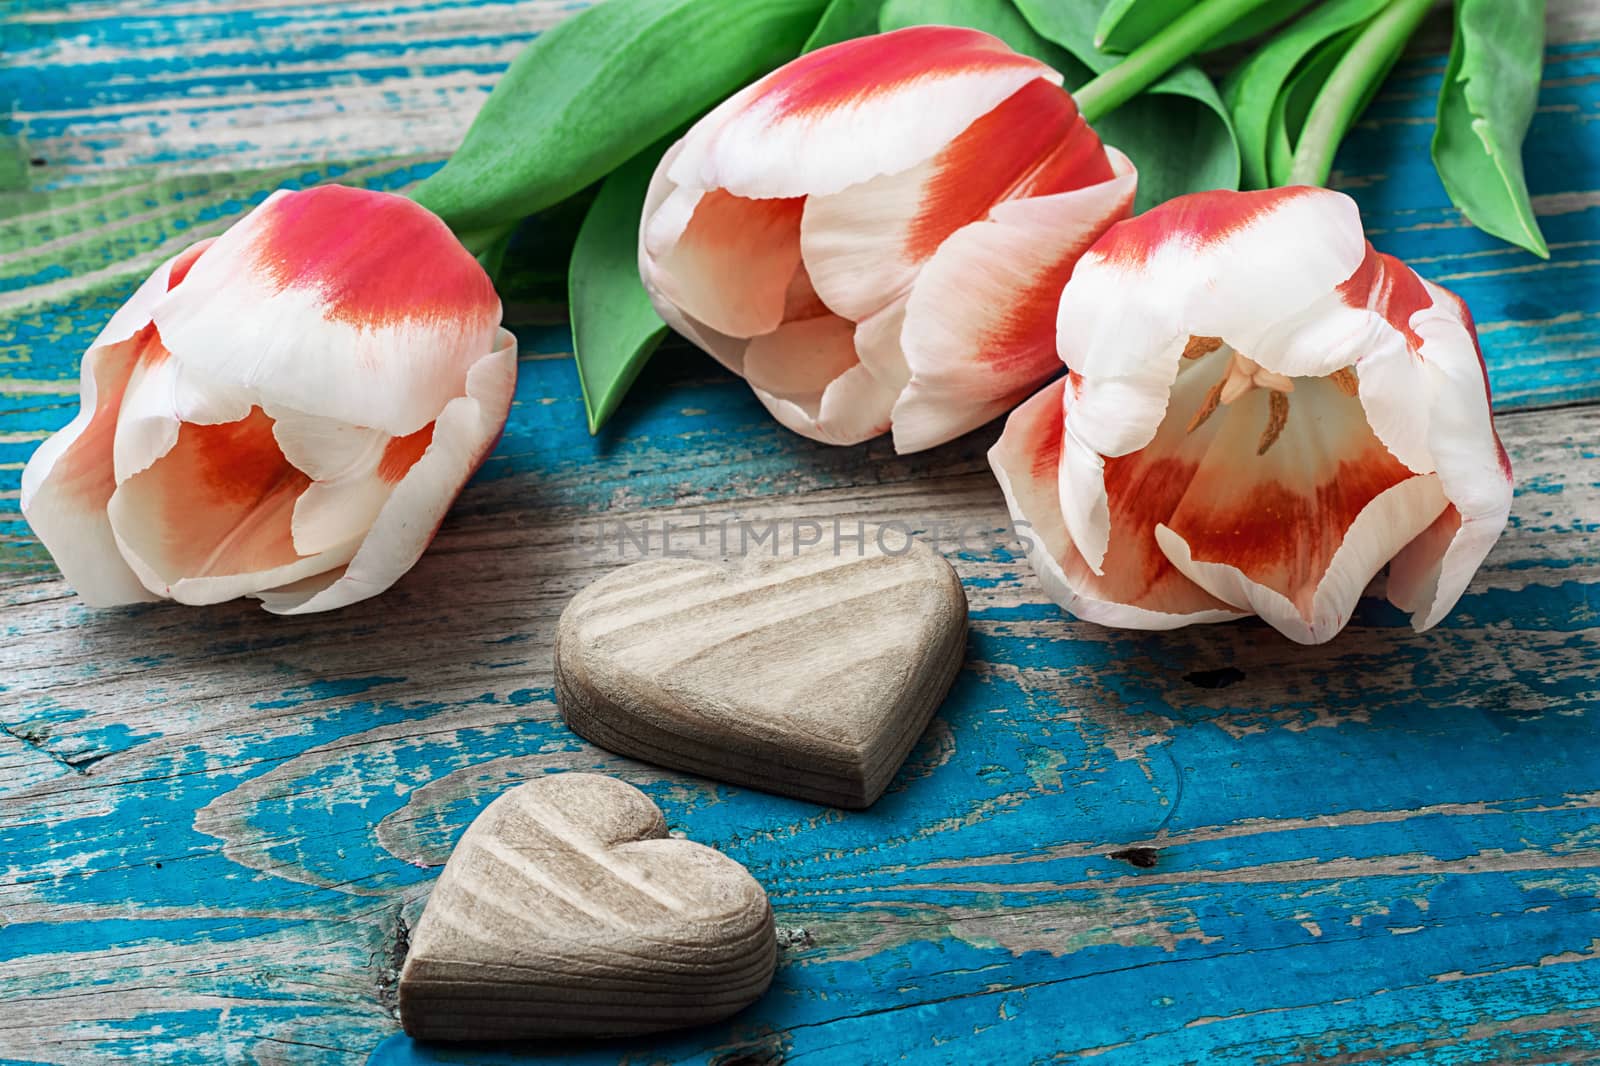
567 910
218 829
810 674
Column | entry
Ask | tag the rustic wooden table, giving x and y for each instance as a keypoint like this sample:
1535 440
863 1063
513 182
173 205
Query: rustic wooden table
216 826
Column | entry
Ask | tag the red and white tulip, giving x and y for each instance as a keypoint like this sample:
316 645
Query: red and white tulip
285 412
876 235
1261 411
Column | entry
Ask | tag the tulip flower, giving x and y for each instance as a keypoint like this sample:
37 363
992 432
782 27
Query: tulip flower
284 412
875 236
1261 411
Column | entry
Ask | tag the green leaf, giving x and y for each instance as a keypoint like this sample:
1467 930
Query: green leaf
844 20
532 280
1294 102
489 248
1258 22
1491 86
1126 24
598 89
1349 88
997 17
1177 133
614 328
1252 90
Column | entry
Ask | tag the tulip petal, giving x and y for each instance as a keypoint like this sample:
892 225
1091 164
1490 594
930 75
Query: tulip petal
1296 533
878 346
729 351
808 376
341 505
162 394
732 264
1256 269
1354 427
1368 543
463 435
1415 573
801 358
342 461
330 514
337 302
69 478
283 599
853 111
1429 576
326 449
1142 590
980 324
865 245
211 519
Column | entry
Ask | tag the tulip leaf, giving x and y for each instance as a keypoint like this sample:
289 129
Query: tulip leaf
599 88
1268 16
1491 86
997 17
1294 103
1177 133
844 20
1126 24
490 249
532 280
1252 91
614 327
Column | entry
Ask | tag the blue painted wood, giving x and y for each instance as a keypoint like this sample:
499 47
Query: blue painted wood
216 826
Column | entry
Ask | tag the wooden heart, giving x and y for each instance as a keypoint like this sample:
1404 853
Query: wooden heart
809 675
566 910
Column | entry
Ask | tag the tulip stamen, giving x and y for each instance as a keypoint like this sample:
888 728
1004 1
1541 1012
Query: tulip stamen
1208 408
1199 347
1243 376
1346 379
1277 418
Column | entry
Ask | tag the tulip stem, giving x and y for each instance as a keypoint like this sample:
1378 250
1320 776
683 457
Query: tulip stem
1347 91
1177 41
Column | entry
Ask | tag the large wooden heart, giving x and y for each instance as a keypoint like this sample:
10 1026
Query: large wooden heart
809 675
566 910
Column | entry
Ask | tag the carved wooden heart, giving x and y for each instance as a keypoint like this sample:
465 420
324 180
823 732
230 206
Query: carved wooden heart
566 910
811 676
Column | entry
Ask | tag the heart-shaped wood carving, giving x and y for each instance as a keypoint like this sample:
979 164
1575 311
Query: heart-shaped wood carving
809 675
566 910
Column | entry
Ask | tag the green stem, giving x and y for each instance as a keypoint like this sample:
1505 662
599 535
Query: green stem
1345 93
1179 40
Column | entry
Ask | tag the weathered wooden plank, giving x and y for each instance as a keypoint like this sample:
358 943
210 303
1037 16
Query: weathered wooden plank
97 88
216 827
290 773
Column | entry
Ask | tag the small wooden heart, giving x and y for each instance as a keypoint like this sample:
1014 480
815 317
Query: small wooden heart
810 675
566 910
